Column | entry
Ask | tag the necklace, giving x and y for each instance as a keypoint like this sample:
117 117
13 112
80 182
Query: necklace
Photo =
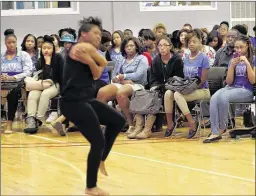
192 58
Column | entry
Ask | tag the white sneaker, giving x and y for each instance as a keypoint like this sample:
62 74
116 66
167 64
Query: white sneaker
52 117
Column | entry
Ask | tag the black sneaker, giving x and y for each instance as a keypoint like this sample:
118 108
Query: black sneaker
72 129
214 139
191 132
169 132
31 127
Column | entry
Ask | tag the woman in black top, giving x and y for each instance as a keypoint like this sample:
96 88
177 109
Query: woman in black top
45 86
84 65
165 65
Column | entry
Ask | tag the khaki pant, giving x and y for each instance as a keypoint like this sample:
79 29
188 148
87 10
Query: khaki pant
182 100
38 101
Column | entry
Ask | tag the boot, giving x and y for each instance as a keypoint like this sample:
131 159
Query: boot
138 126
146 133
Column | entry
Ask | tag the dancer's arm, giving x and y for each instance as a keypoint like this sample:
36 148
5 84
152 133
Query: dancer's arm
86 54
91 50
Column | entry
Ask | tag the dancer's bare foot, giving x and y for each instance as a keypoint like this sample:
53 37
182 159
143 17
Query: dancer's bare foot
95 191
103 169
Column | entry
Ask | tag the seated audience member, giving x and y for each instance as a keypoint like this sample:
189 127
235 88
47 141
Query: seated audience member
240 28
15 66
105 41
29 45
129 75
224 27
66 31
167 64
175 38
45 86
182 49
240 80
148 41
187 27
216 28
159 30
222 58
114 52
128 33
67 40
40 41
205 35
224 55
207 50
58 48
214 40
195 65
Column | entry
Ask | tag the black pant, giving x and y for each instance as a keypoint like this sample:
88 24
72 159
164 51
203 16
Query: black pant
98 84
13 99
88 116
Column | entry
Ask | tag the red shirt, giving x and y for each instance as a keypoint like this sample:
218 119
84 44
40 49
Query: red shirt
146 54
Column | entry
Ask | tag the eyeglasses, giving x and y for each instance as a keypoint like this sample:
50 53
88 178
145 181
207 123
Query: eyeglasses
164 45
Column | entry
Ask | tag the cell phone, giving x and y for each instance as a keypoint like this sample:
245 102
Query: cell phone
236 54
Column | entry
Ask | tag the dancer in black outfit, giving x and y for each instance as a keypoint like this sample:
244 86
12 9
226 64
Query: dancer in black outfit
84 65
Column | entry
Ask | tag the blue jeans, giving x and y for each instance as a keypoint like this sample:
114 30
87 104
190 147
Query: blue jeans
219 105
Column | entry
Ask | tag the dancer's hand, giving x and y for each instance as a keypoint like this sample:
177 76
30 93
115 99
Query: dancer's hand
80 54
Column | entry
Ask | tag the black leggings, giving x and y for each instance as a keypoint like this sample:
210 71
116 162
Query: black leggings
88 116
13 99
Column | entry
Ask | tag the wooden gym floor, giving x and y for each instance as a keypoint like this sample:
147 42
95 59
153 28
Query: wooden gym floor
48 164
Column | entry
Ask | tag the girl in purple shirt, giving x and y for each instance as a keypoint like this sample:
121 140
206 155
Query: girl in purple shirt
240 80
196 64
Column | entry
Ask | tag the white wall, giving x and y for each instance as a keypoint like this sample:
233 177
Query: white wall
115 15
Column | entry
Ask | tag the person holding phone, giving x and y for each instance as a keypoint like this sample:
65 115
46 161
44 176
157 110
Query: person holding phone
240 80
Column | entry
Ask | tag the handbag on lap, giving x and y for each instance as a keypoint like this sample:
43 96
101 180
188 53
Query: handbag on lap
181 85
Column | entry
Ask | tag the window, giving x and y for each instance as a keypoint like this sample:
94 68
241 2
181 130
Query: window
14 8
177 5
243 13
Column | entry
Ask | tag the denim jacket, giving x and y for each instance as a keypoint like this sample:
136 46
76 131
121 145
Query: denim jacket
135 71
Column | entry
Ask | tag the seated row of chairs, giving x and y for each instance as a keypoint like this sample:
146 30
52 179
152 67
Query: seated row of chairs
216 80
